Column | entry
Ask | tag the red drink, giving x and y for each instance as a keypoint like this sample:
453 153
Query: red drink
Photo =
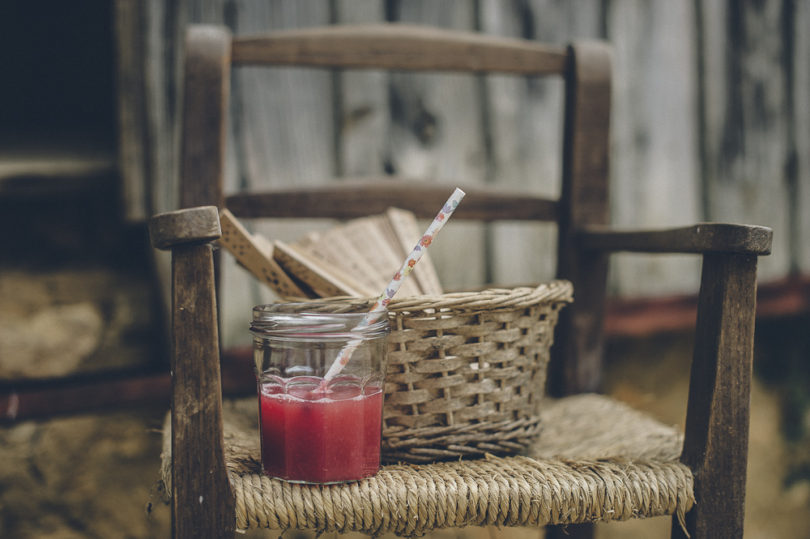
320 436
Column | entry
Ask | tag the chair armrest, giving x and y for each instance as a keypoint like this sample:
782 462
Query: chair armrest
717 417
701 238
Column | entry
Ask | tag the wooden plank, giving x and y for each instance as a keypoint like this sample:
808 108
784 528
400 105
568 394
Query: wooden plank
339 251
282 118
350 199
577 361
40 169
800 119
398 47
202 501
160 74
191 225
130 53
206 92
437 132
363 250
701 238
363 112
745 120
655 180
283 135
717 417
50 398
325 280
255 257
524 122
165 24
361 103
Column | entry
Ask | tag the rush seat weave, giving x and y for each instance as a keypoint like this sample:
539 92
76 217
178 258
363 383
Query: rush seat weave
597 460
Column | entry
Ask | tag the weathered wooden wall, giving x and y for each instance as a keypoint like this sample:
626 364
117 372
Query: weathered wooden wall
711 121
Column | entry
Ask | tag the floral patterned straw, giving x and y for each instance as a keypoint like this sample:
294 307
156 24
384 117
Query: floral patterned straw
407 267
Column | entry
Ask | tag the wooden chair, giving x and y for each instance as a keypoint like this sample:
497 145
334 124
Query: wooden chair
702 481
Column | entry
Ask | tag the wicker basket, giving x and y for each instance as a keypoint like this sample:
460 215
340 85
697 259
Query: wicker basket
466 371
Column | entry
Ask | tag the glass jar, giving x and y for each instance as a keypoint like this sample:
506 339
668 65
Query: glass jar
313 429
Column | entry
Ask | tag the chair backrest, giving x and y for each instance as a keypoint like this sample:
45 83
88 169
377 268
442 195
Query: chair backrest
585 69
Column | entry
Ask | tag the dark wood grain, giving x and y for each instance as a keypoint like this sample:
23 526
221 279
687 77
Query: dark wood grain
133 143
38 399
699 238
205 99
358 198
717 417
202 501
576 365
190 225
399 46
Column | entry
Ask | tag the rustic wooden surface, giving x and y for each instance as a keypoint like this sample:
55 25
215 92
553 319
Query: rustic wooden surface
261 154
669 163
701 238
437 132
325 281
576 363
201 497
654 177
799 187
256 257
717 417
524 119
361 103
130 34
350 199
370 46
694 139
205 110
190 225
148 76
747 119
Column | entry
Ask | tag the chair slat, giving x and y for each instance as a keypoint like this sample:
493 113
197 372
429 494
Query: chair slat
351 199
399 47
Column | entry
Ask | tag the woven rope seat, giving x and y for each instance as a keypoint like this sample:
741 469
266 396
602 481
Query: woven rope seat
595 460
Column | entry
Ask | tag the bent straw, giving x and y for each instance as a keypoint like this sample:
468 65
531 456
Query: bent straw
407 267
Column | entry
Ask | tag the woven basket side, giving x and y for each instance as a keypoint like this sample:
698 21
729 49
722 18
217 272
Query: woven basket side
466 370
466 383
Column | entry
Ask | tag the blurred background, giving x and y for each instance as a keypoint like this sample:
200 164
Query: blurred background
710 121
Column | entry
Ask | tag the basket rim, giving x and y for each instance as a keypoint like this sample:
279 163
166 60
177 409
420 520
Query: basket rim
555 291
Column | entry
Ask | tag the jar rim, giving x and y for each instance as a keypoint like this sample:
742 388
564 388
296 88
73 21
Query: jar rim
314 320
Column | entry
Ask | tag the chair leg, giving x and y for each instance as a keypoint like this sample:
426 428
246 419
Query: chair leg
717 416
202 501
572 531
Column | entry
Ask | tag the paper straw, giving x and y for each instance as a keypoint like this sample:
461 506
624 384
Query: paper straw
407 267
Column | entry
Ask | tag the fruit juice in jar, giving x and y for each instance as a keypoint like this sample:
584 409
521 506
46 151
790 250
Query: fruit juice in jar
320 436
